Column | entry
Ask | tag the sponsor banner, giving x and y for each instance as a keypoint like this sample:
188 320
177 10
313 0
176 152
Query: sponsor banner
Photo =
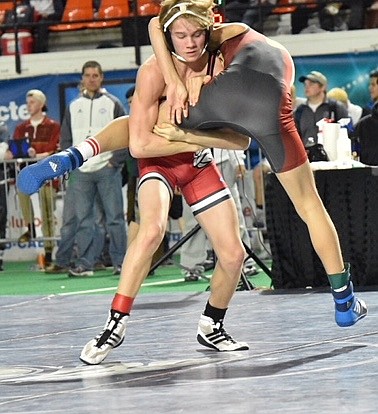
59 90
348 70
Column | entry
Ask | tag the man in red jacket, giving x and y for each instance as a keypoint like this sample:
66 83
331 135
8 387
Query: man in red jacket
43 135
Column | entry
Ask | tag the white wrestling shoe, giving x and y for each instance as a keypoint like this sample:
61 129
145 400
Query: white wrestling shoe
112 336
214 336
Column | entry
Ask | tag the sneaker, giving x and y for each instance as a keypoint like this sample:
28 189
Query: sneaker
259 219
112 336
24 238
190 277
32 177
55 269
249 268
209 262
99 266
214 336
117 270
80 271
348 309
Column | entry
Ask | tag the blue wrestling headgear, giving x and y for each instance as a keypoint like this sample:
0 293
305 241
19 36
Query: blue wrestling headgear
184 10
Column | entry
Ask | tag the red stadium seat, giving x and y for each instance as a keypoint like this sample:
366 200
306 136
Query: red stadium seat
111 9
148 8
74 10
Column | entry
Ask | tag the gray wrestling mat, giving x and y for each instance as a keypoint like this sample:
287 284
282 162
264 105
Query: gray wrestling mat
299 360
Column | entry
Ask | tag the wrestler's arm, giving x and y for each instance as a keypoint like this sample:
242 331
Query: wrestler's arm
144 115
210 138
177 95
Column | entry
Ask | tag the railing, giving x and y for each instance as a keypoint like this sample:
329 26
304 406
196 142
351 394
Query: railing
16 223
134 27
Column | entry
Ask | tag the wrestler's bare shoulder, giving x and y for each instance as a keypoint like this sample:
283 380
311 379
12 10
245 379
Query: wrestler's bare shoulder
151 70
227 31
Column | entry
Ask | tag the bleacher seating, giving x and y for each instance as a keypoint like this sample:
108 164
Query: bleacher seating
110 9
74 11
119 15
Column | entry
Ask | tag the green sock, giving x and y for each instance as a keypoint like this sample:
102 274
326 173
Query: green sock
339 280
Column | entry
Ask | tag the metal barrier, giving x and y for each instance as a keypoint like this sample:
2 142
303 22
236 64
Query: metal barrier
36 209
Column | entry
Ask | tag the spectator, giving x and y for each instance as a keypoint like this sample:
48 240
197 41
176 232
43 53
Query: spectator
249 12
5 154
101 175
373 88
317 107
45 11
65 254
43 134
331 19
259 165
366 133
131 168
355 112
301 19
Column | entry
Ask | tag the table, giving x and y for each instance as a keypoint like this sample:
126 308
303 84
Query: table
351 198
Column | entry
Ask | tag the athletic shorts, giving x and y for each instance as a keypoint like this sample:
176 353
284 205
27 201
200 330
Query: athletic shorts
252 96
202 188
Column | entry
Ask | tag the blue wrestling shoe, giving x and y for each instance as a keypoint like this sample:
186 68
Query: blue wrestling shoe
348 308
32 177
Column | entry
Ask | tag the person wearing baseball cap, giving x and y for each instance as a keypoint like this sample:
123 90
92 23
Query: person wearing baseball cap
42 135
39 96
315 76
316 107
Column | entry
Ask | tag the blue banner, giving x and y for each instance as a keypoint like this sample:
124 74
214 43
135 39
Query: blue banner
348 71
59 90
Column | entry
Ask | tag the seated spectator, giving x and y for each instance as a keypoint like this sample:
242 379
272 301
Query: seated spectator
331 20
330 16
316 107
248 12
366 133
235 10
44 135
301 17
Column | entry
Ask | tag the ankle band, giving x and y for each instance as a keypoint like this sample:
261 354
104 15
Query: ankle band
122 303
339 280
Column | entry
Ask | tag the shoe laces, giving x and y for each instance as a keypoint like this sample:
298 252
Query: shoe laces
109 329
219 327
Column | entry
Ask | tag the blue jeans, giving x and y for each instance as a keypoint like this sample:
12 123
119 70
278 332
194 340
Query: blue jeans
68 230
107 184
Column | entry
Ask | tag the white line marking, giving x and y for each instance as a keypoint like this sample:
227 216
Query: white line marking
164 282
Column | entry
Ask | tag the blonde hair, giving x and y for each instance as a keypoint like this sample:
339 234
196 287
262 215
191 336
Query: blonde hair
200 11
338 94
